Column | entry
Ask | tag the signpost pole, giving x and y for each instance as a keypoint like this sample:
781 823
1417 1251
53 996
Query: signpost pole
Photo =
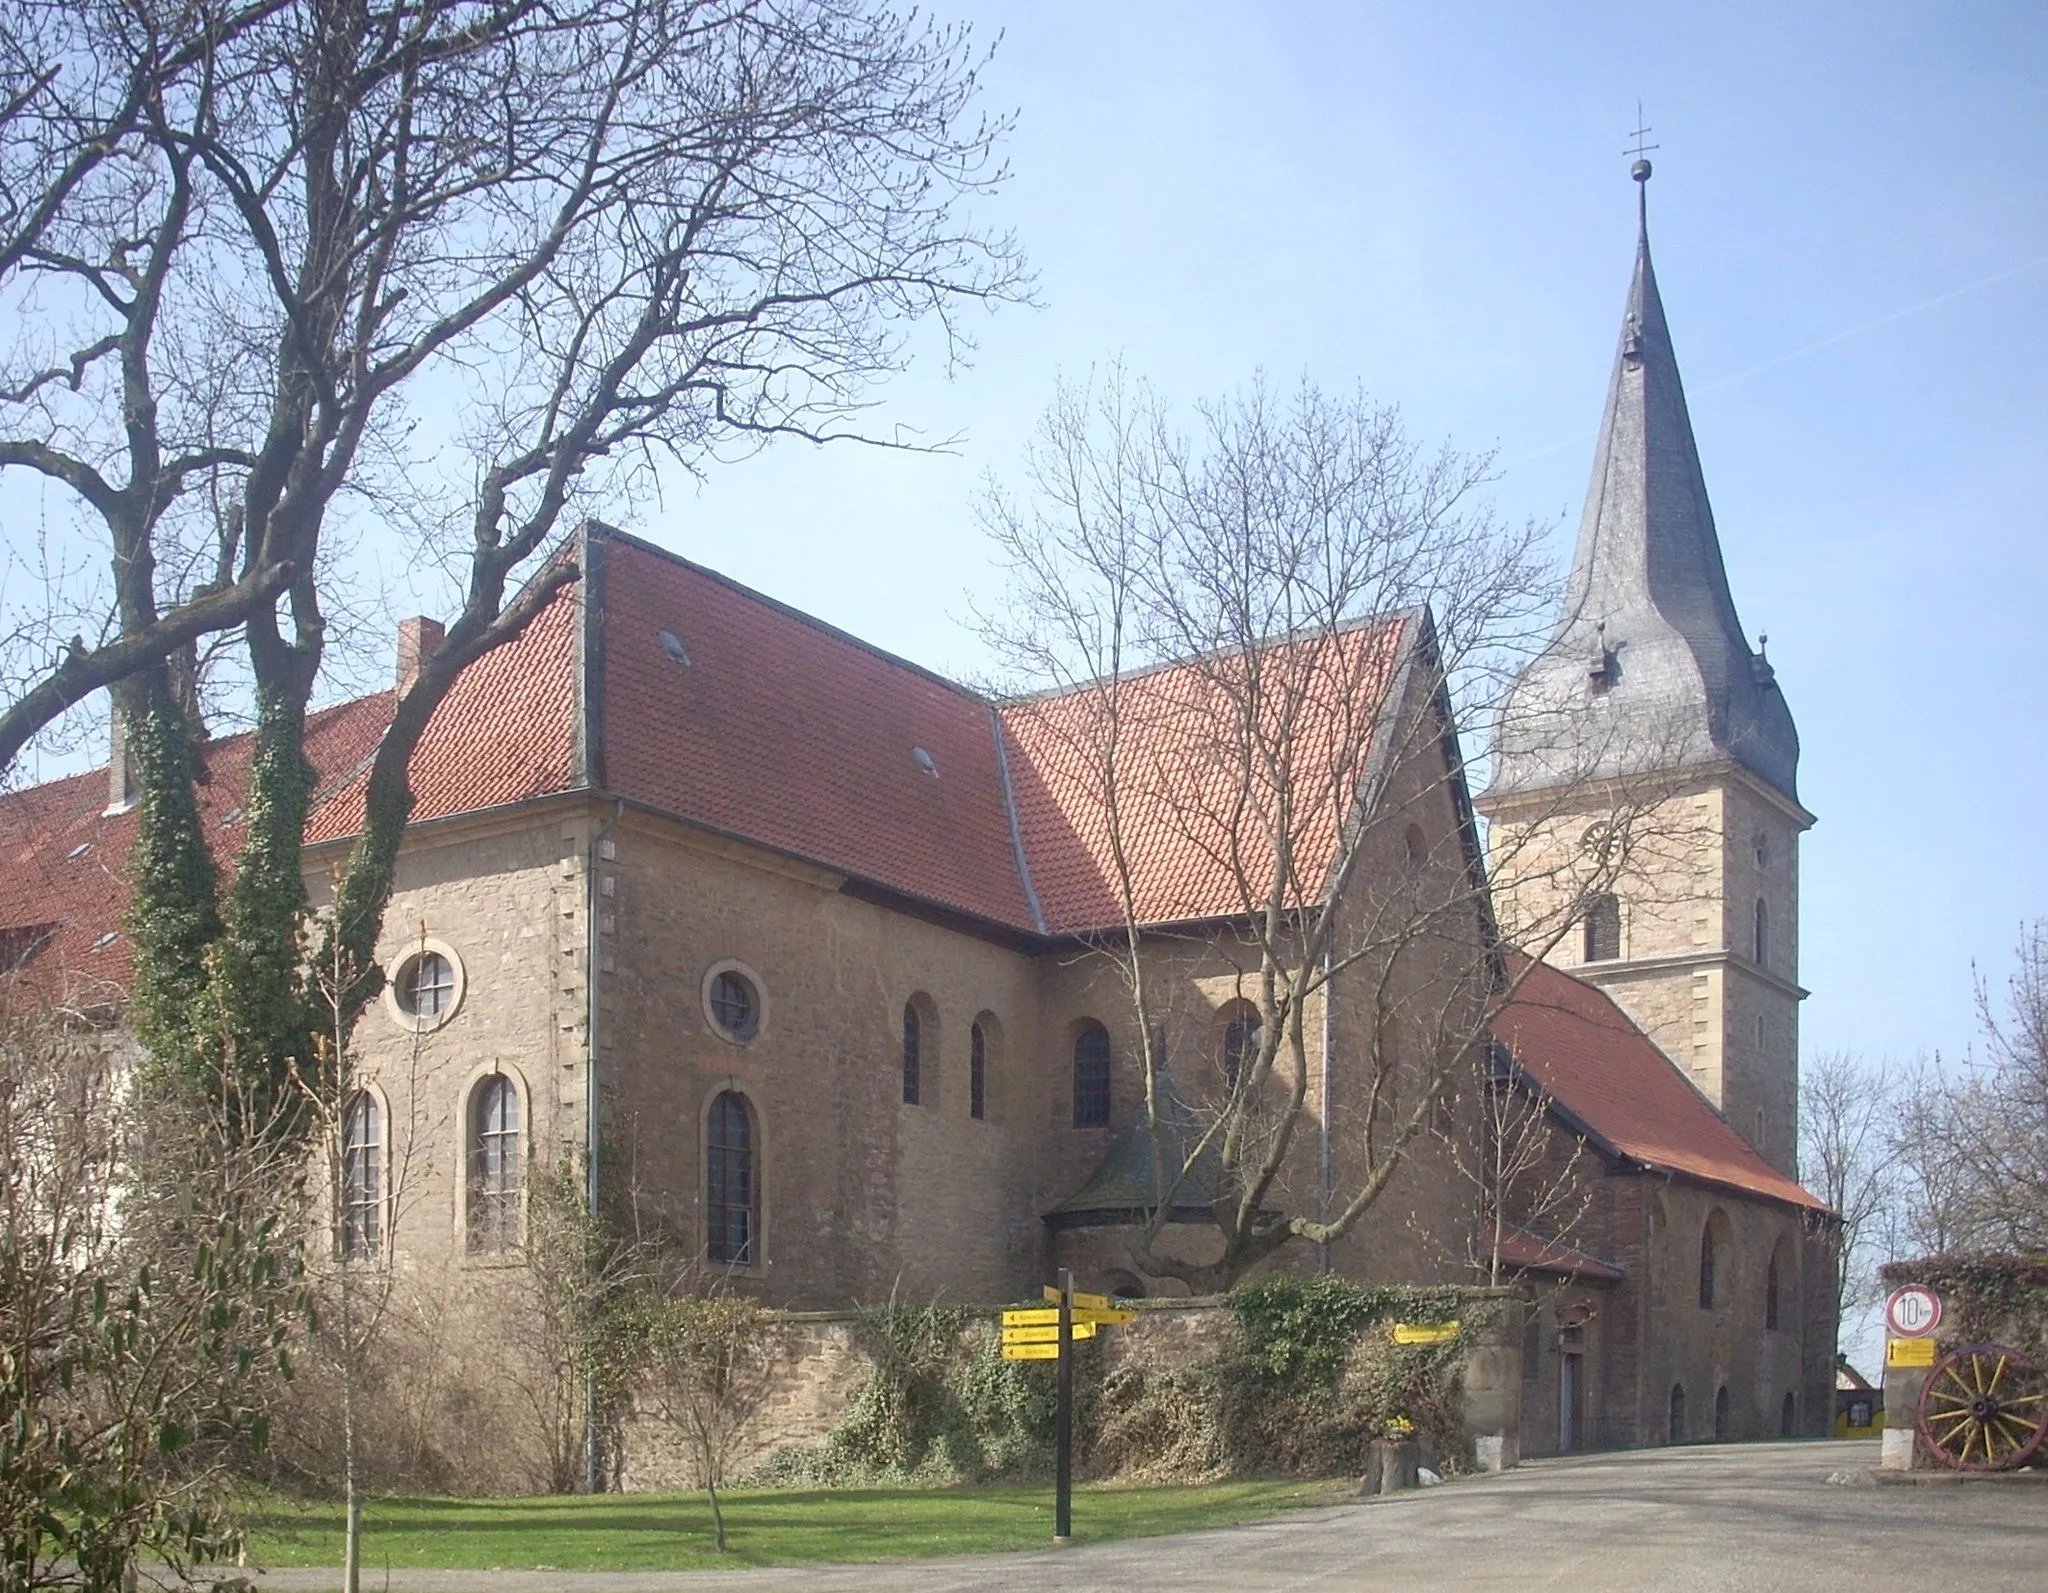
1063 1444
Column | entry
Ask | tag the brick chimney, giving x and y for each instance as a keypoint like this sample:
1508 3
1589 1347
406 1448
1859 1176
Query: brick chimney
120 761
419 638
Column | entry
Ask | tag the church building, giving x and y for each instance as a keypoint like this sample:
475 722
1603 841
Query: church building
785 942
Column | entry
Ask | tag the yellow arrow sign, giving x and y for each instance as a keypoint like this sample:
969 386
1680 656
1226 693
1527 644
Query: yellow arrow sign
1424 1332
1043 1316
1082 1302
1031 1352
1045 1335
1909 1352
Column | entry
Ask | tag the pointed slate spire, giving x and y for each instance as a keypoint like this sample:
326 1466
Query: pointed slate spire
1648 667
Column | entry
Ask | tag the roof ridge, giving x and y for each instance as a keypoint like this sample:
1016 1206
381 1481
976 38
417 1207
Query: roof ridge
787 610
1380 619
212 744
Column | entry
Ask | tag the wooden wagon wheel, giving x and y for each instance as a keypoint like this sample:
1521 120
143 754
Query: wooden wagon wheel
1985 1408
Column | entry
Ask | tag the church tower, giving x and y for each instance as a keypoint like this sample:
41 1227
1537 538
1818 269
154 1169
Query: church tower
1649 701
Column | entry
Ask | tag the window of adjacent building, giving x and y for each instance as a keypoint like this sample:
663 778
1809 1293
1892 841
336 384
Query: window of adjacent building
913 1054
1788 1416
426 985
494 1166
1241 1035
1091 1077
730 1192
977 1072
1771 1295
1721 1414
362 1178
734 1005
1603 928
1678 1413
1707 1259
1763 934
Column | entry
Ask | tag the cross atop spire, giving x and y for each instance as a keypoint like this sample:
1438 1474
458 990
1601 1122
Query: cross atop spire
1674 681
1640 171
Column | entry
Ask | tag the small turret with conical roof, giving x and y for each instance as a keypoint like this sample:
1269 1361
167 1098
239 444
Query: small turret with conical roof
1647 699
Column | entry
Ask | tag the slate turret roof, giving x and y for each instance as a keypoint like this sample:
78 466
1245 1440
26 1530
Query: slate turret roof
1648 667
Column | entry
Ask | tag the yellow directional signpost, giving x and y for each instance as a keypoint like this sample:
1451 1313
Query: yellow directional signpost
1047 1333
1423 1332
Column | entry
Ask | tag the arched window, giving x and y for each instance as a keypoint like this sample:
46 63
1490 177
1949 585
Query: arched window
732 1220
1771 1295
1091 1077
362 1178
1707 1267
1418 847
1763 934
1678 1413
494 1166
913 1047
1603 928
1241 1036
977 1072
1721 1414
1788 1416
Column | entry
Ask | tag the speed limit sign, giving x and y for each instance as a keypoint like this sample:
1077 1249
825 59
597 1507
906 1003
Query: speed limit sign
1912 1312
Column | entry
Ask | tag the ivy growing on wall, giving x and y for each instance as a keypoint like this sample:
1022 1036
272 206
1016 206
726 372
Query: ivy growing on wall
1305 1380
939 1405
1991 1299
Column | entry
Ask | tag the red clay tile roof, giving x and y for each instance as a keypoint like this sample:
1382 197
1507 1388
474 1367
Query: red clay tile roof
506 731
1190 842
62 853
1529 1252
780 731
1575 1042
784 731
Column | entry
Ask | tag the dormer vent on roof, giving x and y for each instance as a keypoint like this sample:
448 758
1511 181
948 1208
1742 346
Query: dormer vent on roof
924 761
78 851
672 644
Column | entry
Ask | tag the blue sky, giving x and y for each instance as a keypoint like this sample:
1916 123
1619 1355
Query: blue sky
1851 236
1432 202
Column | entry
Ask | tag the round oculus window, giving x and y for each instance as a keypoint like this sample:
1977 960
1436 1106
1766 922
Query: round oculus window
734 1004
424 988
426 985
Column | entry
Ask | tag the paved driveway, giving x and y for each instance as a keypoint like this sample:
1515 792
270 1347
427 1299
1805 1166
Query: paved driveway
1750 1518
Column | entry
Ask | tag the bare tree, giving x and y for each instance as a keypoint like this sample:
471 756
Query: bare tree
372 1154
1847 1111
147 1286
1525 1169
463 268
710 1368
1970 1145
1253 643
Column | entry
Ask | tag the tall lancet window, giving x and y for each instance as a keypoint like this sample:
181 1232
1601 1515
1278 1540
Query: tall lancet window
1763 934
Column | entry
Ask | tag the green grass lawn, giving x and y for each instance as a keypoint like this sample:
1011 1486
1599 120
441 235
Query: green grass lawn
672 1531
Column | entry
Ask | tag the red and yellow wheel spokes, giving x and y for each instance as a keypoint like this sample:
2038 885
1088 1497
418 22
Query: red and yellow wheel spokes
1985 1408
